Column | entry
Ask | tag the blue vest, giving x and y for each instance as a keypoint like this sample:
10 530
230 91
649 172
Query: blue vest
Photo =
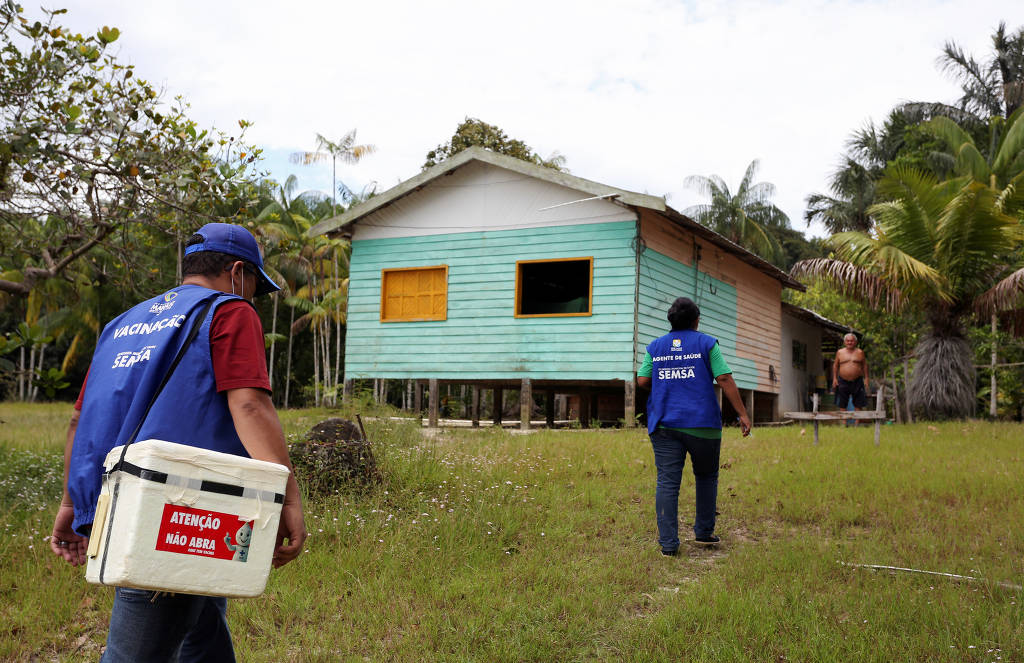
682 389
132 356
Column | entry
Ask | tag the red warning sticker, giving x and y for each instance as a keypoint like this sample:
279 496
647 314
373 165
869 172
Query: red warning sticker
204 533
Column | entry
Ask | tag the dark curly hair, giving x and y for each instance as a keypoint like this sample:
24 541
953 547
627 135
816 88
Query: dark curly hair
683 314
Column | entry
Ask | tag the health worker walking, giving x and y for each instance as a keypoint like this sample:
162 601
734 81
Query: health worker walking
683 417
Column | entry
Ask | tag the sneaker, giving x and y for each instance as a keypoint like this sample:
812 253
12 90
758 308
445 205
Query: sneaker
707 540
670 553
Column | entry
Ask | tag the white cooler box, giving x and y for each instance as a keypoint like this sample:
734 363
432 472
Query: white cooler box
186 520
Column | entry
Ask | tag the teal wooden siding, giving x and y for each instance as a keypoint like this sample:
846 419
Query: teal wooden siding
662 279
481 339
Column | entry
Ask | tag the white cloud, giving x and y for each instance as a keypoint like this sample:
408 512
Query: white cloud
636 94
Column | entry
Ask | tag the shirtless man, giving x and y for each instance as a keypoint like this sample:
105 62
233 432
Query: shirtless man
850 374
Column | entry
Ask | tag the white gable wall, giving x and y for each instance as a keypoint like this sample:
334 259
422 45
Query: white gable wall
481 197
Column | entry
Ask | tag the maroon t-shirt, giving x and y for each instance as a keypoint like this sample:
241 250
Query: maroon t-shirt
236 347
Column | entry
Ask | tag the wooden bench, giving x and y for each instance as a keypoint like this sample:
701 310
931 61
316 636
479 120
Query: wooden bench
877 415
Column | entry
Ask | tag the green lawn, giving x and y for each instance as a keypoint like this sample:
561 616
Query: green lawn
485 545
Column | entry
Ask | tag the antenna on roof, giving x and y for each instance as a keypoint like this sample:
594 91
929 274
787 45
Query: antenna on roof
581 200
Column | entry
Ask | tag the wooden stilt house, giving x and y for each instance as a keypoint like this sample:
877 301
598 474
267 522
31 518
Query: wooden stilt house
493 272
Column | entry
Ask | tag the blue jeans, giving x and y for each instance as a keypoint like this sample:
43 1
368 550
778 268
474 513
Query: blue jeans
180 628
670 449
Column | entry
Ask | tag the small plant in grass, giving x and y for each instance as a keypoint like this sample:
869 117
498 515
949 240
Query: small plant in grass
334 456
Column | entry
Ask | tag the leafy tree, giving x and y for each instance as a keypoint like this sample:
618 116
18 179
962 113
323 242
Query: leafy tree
794 247
1010 379
475 132
88 151
747 217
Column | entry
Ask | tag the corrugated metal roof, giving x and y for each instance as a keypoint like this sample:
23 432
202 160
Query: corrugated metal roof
815 318
342 223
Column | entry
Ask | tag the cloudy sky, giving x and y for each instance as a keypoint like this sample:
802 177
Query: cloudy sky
638 95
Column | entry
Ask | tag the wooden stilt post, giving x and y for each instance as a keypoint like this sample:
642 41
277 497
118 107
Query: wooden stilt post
585 397
433 404
525 404
814 408
499 396
417 400
750 405
475 406
549 407
629 395
346 390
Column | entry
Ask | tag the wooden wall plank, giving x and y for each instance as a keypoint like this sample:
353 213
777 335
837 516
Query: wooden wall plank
481 339
739 304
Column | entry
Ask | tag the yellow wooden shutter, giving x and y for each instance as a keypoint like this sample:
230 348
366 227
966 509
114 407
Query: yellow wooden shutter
410 294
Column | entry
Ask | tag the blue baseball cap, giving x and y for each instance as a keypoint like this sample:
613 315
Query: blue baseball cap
238 242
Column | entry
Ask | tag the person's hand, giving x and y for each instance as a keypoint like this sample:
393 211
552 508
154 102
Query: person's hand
744 425
63 541
292 527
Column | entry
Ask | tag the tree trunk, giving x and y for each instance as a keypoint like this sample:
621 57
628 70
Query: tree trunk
28 376
325 357
896 397
38 369
177 272
288 365
273 334
906 389
993 410
944 378
316 367
21 374
337 325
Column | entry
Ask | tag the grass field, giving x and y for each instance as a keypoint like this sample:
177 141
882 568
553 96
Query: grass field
484 545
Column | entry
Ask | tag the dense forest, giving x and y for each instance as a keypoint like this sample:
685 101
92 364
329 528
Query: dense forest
102 179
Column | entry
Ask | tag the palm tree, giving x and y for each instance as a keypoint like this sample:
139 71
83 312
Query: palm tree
853 193
1001 168
937 246
992 88
283 223
344 149
869 151
746 217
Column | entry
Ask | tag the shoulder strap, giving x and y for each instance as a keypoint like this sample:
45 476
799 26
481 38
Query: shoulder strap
192 333
109 524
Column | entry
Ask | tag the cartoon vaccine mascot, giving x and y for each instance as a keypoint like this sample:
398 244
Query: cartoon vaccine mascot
243 536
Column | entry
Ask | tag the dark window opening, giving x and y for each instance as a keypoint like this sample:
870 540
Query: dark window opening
560 287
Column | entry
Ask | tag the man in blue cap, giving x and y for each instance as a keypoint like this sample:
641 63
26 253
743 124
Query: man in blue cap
222 376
